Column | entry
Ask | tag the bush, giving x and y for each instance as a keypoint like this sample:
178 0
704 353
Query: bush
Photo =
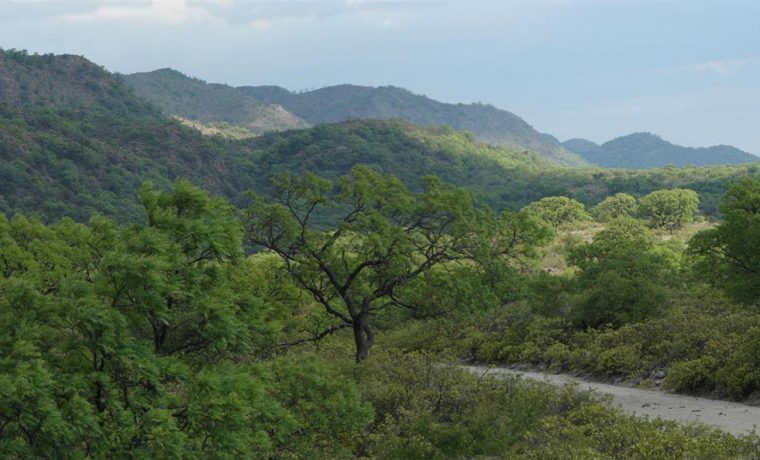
669 209
614 207
558 210
694 375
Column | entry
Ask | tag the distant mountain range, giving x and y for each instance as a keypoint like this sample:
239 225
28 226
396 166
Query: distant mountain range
646 150
272 108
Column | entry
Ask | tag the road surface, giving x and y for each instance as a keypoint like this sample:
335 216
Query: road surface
735 418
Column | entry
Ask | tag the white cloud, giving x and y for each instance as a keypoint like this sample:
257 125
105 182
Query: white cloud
172 12
720 67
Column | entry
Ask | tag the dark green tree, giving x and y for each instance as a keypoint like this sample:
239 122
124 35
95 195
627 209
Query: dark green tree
730 253
623 276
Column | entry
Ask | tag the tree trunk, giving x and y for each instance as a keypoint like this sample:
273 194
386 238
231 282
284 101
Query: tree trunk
362 337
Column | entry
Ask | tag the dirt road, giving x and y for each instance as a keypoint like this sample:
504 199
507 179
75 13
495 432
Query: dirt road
735 418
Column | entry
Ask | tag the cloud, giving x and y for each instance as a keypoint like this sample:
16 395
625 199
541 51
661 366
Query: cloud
172 12
721 67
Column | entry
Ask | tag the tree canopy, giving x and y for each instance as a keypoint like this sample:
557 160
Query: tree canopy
730 253
669 209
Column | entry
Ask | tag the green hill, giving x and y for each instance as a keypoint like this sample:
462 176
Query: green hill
178 94
75 141
646 150
345 102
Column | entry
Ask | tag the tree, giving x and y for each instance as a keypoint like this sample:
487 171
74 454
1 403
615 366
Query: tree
140 342
729 255
624 274
612 207
670 209
558 210
386 237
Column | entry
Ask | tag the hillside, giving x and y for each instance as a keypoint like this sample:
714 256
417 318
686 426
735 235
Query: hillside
178 94
74 141
646 150
345 102
272 108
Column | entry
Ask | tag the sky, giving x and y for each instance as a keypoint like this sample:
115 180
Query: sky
687 70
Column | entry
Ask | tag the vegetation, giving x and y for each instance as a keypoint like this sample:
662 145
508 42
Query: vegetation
615 206
645 150
670 209
163 340
77 143
558 210
323 314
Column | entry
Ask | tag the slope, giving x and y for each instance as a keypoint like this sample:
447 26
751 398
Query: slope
75 141
646 150
178 94
345 102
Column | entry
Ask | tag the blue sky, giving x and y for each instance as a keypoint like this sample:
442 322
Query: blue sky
687 70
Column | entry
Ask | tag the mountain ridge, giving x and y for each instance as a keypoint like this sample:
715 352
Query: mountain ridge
643 150
178 94
273 108
346 101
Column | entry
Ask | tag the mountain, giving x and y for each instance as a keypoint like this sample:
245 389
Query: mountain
194 99
272 108
646 150
76 141
580 146
345 102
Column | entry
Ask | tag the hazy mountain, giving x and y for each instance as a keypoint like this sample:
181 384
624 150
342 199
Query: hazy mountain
345 102
646 150
580 146
178 94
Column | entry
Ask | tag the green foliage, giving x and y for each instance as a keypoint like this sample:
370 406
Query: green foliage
137 342
624 275
387 239
428 411
729 255
669 209
615 206
558 210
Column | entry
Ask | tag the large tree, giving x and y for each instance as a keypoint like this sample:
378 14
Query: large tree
385 238
140 342
730 252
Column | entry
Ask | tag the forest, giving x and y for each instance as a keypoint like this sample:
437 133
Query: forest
213 331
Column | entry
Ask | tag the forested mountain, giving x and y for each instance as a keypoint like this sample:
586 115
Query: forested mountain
646 150
272 108
178 94
344 102
74 141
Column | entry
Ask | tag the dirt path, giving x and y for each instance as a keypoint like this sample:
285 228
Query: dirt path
734 418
